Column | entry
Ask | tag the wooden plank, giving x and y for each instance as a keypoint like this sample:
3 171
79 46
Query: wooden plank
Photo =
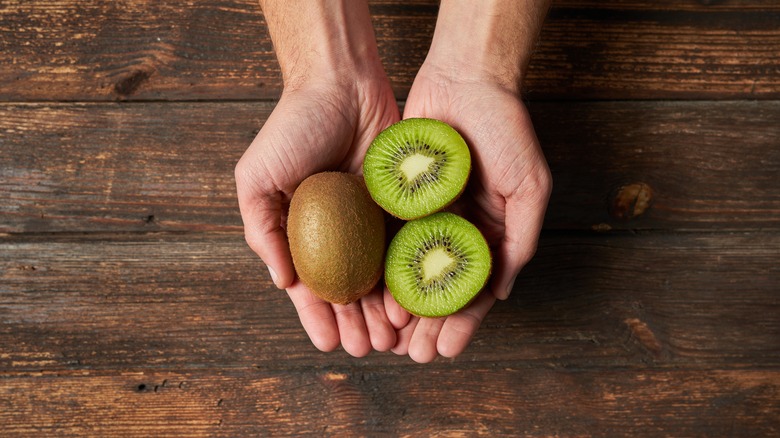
672 5
708 165
123 167
169 166
585 53
181 301
220 49
395 401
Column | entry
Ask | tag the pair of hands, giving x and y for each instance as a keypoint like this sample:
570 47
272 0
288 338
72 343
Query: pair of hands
328 124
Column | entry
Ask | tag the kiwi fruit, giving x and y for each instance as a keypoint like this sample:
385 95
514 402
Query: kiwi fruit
437 264
337 236
416 167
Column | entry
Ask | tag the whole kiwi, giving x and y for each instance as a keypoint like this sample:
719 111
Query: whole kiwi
337 236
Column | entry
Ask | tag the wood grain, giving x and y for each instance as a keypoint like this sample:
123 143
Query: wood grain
182 301
673 5
169 167
220 49
131 305
404 401
116 167
710 165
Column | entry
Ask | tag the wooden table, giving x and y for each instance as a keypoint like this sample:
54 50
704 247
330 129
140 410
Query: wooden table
130 304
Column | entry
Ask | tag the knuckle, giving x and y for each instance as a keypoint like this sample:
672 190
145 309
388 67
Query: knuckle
242 175
540 183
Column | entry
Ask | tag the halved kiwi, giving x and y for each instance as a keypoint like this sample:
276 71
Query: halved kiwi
416 167
437 264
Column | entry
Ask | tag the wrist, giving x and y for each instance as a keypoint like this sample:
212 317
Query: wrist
488 41
323 41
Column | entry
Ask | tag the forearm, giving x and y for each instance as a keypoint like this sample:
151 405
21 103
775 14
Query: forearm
328 39
487 39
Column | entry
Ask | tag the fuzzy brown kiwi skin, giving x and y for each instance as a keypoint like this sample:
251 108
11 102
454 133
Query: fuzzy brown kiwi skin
354 296
337 237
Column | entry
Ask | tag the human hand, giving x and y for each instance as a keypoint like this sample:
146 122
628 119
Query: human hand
336 99
318 126
506 197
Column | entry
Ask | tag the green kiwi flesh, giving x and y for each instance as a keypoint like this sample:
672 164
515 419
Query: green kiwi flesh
416 167
437 264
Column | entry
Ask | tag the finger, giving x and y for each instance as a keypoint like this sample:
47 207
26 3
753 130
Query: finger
380 330
352 329
524 217
422 347
261 211
397 315
316 317
269 241
404 336
459 328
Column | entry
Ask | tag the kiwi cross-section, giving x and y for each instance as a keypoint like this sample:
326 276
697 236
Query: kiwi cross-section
437 264
416 167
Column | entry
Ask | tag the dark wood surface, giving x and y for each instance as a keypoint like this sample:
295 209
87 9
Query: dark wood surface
166 50
393 401
168 166
585 301
130 304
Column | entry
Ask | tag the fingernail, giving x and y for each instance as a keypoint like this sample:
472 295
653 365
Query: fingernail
510 287
273 275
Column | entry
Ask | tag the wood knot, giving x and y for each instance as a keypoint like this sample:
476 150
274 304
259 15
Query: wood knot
642 332
630 201
130 84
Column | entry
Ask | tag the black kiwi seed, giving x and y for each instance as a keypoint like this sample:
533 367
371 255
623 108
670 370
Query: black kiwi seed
407 150
437 284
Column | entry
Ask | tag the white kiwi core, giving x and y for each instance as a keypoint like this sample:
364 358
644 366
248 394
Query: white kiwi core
415 164
436 263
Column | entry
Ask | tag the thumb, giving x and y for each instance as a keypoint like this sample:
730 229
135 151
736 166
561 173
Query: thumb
261 207
523 222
